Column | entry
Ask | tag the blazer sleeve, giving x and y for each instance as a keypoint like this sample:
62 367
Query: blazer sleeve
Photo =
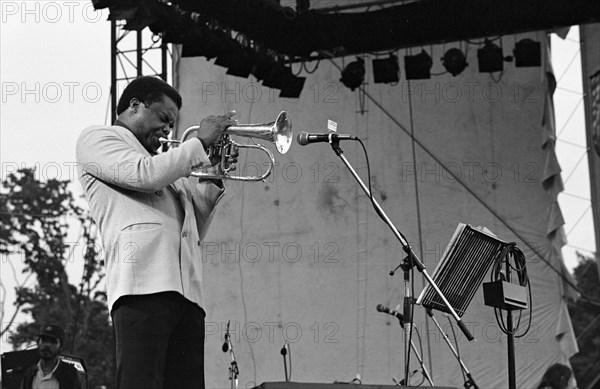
205 196
107 153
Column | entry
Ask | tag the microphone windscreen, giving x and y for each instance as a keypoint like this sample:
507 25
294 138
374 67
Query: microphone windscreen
380 308
302 138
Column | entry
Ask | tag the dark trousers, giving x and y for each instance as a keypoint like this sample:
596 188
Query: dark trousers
160 342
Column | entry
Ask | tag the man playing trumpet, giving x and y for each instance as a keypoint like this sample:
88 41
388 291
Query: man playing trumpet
152 217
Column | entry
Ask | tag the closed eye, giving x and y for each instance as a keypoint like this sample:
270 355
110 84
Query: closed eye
165 119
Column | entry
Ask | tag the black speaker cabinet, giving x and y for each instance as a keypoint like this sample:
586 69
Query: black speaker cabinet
14 364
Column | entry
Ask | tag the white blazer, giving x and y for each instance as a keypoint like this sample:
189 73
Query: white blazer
151 215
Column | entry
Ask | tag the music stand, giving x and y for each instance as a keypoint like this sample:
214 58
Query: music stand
465 262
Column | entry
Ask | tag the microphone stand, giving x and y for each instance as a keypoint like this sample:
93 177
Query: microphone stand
413 260
233 368
470 383
408 313
423 367
510 340
284 352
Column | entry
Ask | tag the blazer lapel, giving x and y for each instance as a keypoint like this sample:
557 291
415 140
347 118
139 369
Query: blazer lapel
179 190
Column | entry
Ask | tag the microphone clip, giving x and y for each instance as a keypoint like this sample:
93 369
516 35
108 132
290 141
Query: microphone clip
226 344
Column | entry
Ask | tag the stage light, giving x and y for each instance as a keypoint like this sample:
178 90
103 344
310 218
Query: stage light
101 4
454 61
166 17
228 51
242 67
354 74
180 25
280 77
490 58
386 70
121 12
178 32
418 67
277 76
150 14
138 23
293 87
201 42
263 66
528 53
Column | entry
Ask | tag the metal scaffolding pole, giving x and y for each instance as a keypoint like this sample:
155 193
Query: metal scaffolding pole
134 54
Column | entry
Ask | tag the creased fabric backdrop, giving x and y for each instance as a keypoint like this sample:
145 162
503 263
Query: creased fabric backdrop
303 258
590 64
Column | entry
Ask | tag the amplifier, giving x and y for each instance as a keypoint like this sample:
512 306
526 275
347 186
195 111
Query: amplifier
311 385
504 295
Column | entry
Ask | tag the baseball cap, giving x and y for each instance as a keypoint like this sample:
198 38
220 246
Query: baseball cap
53 331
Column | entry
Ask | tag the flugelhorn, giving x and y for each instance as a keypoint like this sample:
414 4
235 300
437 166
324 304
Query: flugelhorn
278 132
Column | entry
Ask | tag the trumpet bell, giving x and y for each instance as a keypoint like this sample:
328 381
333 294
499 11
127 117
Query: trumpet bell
283 132
278 131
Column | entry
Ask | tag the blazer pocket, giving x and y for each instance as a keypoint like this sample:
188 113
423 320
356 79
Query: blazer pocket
141 226
139 242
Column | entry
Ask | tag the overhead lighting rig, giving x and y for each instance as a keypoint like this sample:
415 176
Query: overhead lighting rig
386 70
454 61
353 75
418 67
278 76
490 58
528 53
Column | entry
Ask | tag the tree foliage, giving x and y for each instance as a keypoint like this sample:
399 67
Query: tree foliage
36 218
585 316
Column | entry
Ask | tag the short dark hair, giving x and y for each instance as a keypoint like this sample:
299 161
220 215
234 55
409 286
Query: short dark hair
148 90
556 376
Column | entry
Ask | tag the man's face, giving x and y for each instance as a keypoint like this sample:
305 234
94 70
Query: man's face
153 122
48 347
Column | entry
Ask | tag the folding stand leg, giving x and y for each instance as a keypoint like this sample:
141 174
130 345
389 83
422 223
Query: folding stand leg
423 367
419 358
470 383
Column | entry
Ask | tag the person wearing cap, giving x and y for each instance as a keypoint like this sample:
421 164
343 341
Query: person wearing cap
50 372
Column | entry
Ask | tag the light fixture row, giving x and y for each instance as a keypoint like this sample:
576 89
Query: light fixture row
490 59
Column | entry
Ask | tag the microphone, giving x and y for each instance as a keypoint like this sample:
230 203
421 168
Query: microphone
225 346
284 352
384 309
305 138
